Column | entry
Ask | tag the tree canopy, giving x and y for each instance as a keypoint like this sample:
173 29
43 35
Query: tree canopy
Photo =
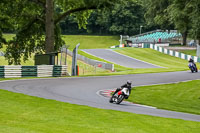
38 23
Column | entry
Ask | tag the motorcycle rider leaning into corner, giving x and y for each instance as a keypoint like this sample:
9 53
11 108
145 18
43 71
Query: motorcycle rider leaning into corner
192 61
127 85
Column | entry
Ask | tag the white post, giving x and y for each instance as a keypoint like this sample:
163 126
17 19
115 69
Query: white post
120 40
141 29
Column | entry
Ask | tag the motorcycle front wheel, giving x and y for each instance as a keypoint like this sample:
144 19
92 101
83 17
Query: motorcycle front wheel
120 99
113 98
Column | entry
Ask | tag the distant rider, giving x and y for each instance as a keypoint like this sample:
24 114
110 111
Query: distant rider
192 61
127 85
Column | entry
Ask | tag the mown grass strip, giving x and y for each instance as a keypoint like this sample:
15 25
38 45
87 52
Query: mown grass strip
155 57
188 52
117 67
90 42
181 97
21 113
148 55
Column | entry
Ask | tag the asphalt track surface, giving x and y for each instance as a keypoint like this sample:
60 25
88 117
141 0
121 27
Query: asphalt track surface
120 59
85 91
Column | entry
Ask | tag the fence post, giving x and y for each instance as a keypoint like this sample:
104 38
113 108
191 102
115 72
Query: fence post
74 60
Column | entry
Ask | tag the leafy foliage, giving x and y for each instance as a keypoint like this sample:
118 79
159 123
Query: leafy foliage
182 14
123 19
27 18
157 13
194 7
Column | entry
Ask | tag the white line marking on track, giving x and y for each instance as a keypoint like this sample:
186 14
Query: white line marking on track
99 93
136 59
104 59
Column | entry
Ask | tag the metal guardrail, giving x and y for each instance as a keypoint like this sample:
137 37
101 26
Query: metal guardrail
174 53
33 71
94 62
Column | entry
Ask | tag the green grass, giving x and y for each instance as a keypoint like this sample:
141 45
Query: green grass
117 67
188 52
169 63
155 57
182 97
90 42
29 62
3 61
86 41
148 55
26 114
85 69
8 36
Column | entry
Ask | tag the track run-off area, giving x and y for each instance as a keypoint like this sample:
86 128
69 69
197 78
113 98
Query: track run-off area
87 90
120 59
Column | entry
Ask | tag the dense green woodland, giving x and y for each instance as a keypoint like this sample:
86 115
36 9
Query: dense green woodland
38 24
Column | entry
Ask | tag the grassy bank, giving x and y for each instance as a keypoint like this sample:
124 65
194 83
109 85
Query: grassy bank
90 42
21 113
155 57
182 97
188 52
117 67
86 41
168 62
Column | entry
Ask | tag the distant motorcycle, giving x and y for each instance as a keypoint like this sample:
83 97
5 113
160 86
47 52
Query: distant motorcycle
119 96
192 67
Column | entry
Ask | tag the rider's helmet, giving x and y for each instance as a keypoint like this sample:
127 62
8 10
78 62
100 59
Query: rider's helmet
129 82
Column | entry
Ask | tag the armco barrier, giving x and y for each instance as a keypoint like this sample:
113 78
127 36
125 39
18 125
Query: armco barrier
1 71
33 71
167 51
92 62
174 53
12 72
29 71
59 71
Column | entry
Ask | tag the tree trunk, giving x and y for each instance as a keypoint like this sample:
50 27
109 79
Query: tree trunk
49 27
184 38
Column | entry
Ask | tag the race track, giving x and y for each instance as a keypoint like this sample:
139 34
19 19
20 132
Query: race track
120 59
85 91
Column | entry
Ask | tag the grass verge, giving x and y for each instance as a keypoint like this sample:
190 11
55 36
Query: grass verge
85 69
21 113
87 42
181 97
188 52
117 67
90 42
155 57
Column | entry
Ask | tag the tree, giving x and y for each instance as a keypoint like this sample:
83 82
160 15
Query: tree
169 14
156 13
193 7
4 22
179 15
123 19
36 23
